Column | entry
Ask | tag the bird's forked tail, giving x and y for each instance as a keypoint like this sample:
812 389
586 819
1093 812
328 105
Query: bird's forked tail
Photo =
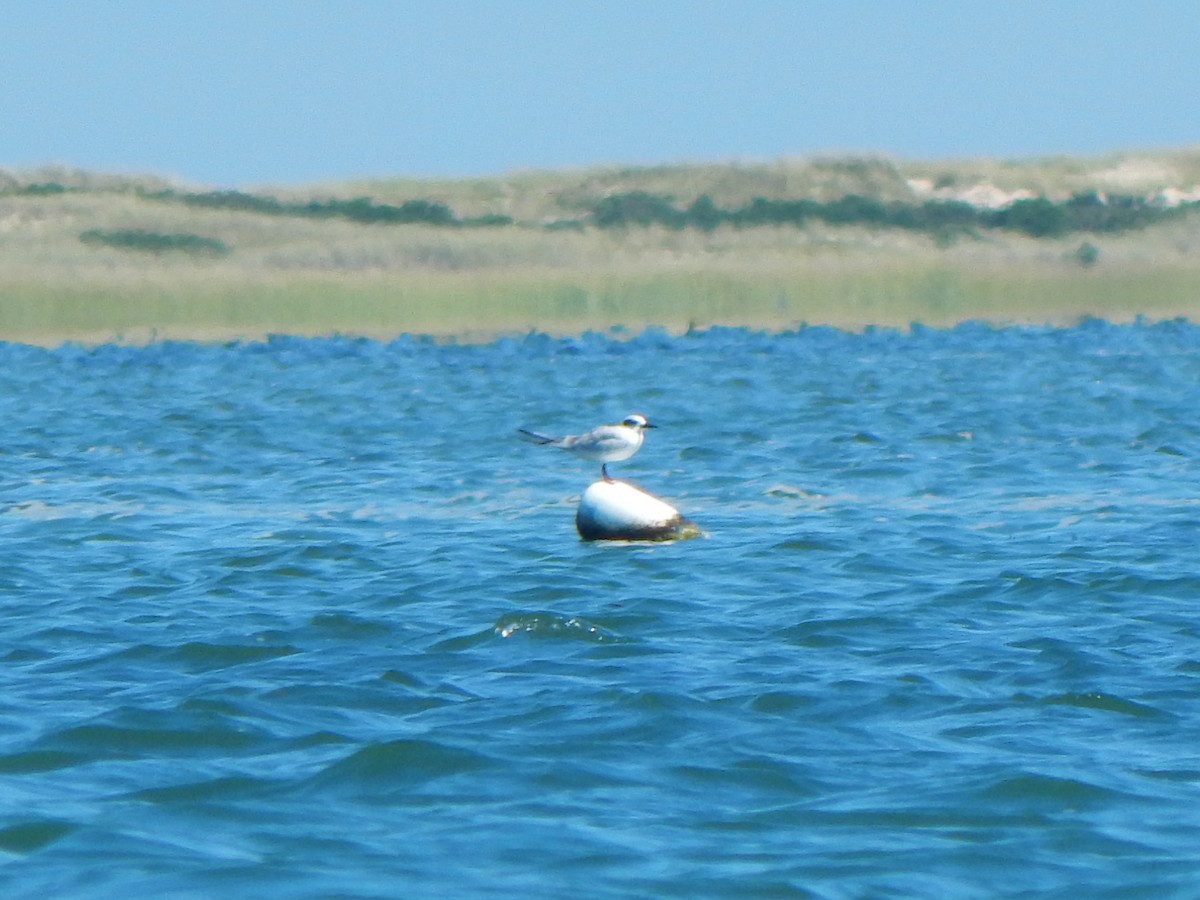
535 438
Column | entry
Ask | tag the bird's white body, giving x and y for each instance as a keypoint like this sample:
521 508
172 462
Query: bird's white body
605 444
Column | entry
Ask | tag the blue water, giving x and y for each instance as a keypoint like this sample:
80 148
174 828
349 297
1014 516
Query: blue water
303 618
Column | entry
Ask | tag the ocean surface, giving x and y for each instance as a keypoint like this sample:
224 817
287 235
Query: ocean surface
304 618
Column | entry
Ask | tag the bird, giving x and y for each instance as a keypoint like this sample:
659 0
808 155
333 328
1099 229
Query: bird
603 444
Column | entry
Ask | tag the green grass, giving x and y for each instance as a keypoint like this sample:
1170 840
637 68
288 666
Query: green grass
471 306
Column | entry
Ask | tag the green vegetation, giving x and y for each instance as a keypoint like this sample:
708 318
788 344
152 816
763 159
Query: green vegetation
358 209
153 242
42 189
845 242
1037 217
474 306
1087 254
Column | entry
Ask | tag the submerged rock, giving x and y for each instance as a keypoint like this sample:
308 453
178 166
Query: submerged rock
618 511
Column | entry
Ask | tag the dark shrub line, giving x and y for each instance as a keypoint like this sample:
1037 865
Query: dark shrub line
359 209
42 189
154 242
1037 216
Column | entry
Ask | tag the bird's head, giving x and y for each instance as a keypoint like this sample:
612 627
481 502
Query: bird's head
638 421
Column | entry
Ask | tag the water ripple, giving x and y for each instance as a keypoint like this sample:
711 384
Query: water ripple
301 617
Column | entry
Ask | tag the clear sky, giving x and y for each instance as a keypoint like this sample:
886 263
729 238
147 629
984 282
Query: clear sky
243 92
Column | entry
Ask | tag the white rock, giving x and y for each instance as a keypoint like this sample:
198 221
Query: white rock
618 511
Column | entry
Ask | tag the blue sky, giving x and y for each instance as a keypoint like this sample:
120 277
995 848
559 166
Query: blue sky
244 92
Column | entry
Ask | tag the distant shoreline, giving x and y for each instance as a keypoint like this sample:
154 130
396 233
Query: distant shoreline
90 257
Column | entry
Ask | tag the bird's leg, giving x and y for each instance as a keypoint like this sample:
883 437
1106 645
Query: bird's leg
604 472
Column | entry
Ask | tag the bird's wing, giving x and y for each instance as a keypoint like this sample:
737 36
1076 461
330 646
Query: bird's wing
599 440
